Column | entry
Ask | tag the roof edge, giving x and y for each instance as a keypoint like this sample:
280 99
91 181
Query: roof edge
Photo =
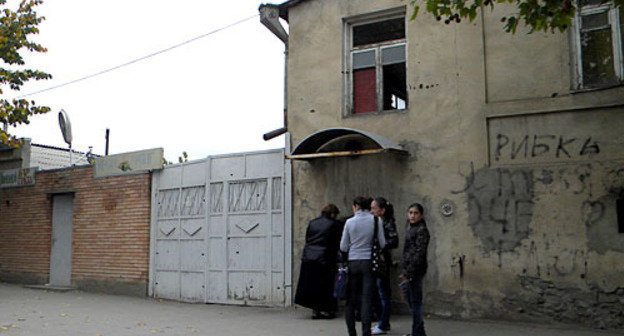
59 149
383 143
284 7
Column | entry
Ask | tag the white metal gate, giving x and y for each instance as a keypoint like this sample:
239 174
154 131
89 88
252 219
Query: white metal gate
221 230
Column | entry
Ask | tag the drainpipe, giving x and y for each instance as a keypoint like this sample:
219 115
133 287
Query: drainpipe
269 17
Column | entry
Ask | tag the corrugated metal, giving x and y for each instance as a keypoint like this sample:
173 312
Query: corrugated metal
48 157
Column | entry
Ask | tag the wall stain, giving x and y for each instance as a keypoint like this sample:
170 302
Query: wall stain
500 206
539 298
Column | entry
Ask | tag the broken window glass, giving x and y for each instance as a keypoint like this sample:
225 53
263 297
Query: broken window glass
378 77
394 90
394 81
600 47
597 57
377 32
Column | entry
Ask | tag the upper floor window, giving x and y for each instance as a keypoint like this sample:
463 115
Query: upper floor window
599 35
375 60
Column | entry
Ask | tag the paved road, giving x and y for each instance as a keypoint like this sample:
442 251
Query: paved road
31 312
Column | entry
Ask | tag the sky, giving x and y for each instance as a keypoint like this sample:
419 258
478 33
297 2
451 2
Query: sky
215 95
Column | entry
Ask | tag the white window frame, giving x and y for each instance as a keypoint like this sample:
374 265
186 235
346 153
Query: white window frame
349 51
616 40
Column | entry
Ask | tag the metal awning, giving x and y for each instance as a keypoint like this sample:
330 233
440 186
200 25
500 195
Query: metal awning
333 142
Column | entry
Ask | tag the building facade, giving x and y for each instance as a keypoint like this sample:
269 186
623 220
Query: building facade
512 142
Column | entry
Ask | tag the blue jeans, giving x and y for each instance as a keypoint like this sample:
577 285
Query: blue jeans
360 289
383 288
413 292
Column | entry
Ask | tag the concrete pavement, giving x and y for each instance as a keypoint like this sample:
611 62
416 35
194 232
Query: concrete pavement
30 312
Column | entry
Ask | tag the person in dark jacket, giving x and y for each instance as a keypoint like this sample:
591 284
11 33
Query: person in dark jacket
381 208
318 264
414 262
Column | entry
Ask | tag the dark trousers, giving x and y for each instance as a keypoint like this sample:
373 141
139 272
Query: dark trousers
360 287
413 292
384 291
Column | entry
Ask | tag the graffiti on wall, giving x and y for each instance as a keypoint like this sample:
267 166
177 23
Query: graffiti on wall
508 147
500 202
500 206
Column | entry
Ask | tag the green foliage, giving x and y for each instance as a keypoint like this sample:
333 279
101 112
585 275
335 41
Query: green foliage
538 15
15 29
181 159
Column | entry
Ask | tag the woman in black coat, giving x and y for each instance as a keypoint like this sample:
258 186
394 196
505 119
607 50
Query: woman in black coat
318 264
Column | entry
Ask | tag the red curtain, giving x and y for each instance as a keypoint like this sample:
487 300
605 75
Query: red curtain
364 97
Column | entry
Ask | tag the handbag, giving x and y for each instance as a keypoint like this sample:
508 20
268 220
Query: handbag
378 266
340 283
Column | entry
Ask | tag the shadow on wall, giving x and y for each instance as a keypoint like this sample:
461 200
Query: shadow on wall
340 180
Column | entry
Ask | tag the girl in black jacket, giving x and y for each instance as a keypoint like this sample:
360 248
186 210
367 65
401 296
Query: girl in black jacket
415 265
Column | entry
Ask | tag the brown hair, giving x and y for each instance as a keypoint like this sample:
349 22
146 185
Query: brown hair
418 207
329 209
363 202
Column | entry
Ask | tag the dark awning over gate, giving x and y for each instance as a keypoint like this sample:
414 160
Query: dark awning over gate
333 142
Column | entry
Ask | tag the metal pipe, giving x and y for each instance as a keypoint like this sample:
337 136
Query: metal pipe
334 154
269 17
107 139
286 86
274 133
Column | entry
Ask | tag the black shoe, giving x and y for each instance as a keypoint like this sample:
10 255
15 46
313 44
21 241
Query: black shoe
421 330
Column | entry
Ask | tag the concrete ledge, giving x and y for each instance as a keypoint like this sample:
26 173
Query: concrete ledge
131 288
51 288
40 281
23 278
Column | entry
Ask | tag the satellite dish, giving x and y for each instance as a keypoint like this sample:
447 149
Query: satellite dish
65 127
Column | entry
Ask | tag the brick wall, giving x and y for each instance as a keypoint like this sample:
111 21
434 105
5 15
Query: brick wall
110 242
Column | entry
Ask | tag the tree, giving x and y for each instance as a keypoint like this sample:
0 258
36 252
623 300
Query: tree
15 29
538 15
181 159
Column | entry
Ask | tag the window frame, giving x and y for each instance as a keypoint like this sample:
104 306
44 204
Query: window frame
349 51
616 44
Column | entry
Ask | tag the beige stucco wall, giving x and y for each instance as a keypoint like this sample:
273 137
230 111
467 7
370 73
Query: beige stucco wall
14 158
532 168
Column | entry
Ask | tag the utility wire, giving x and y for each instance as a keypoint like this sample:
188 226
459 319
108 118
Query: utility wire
140 58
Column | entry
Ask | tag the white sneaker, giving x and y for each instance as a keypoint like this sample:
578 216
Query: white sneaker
377 331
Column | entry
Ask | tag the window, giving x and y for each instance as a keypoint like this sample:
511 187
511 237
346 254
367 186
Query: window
599 34
375 59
